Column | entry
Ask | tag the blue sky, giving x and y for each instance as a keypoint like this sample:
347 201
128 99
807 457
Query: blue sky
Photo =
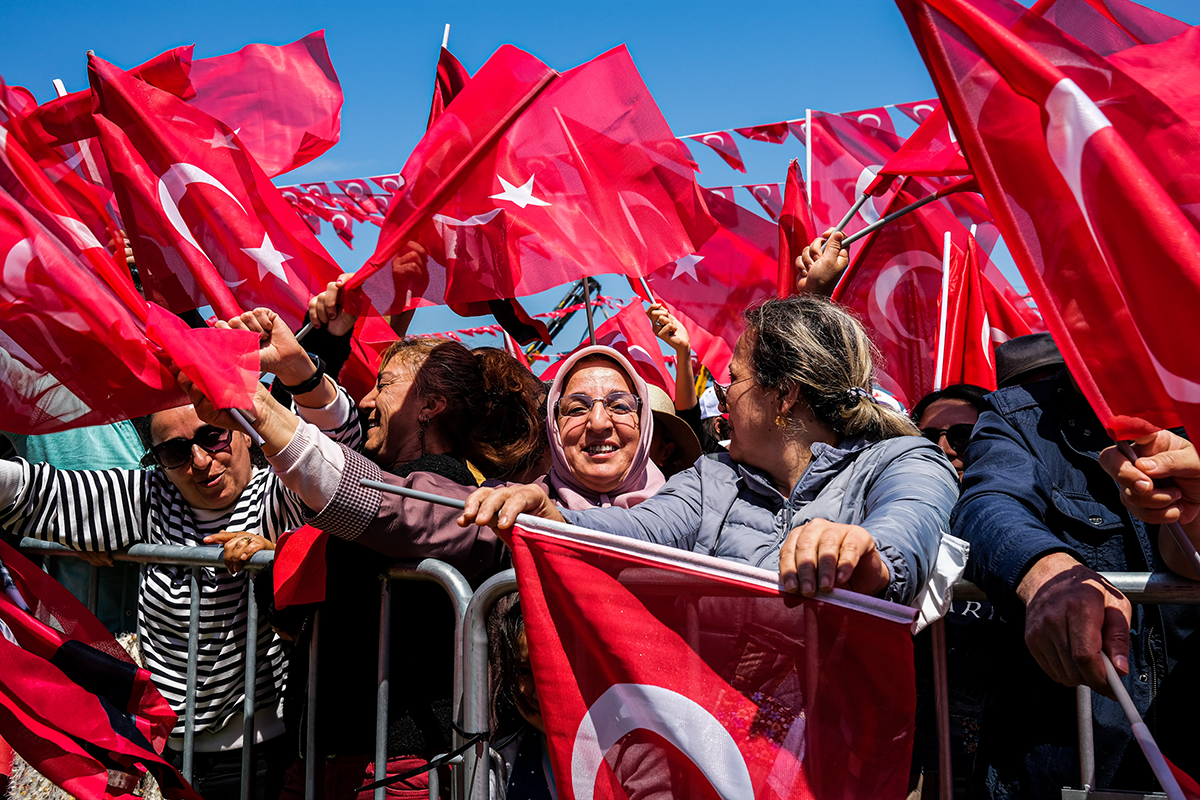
709 65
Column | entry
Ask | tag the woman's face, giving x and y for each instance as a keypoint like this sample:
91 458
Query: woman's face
599 447
392 426
752 409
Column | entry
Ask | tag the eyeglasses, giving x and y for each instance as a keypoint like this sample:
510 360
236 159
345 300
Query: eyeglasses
617 404
174 453
722 389
957 436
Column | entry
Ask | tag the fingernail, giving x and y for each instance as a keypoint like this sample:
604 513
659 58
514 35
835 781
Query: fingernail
1149 463
1144 486
806 588
1121 663
789 583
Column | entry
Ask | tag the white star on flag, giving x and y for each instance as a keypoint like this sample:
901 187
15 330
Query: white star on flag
687 266
218 140
518 195
268 259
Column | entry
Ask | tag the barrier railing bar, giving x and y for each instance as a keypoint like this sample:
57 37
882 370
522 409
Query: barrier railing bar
1087 744
310 720
1140 587
93 600
250 688
941 693
189 721
475 693
206 556
381 694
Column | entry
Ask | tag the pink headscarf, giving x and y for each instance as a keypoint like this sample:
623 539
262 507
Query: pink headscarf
643 478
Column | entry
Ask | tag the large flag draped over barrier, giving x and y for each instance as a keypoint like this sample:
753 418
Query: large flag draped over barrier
72 702
1094 184
528 180
688 676
708 290
205 223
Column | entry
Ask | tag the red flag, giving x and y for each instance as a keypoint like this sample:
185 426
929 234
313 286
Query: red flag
451 78
709 289
350 207
204 222
689 676
1109 26
358 191
298 575
1084 170
318 190
845 157
768 196
894 285
872 118
967 346
919 110
284 102
932 151
799 129
775 132
513 349
74 704
630 333
527 182
724 191
389 183
343 226
722 144
796 228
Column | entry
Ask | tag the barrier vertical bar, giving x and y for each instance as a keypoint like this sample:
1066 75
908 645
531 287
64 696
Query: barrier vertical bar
93 601
475 690
251 679
941 694
310 721
189 720
381 695
1087 747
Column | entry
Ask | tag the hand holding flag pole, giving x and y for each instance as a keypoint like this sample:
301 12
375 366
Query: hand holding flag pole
1181 538
1162 771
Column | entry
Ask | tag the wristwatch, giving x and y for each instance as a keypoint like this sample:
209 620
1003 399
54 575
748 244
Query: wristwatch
313 382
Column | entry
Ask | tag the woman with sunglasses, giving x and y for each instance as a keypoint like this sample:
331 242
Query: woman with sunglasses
820 481
201 488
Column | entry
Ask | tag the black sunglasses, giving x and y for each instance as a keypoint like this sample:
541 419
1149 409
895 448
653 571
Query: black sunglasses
174 453
957 436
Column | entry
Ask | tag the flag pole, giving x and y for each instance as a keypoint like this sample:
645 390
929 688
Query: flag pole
1181 538
859 203
587 307
941 351
808 135
1140 732
646 289
957 186
446 36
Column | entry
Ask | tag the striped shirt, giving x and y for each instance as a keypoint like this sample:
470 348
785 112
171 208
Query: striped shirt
113 509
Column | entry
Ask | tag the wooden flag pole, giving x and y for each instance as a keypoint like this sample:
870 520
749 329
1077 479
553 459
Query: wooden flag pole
941 351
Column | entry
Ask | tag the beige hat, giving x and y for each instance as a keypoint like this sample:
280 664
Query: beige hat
687 446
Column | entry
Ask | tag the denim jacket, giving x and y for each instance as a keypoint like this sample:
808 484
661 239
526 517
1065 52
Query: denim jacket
1032 487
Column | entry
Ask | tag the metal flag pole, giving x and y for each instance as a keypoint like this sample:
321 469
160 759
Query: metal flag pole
957 186
587 307
1158 764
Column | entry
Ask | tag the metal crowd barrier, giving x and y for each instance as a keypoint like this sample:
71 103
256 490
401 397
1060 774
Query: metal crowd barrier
471 695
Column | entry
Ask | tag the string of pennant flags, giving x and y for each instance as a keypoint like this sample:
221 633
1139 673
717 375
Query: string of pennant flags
365 200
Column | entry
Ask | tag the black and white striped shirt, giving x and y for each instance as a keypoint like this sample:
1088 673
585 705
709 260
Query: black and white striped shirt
113 509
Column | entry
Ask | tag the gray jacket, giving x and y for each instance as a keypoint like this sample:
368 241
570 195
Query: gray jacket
900 490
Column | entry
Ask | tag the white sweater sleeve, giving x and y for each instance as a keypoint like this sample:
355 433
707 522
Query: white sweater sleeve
311 466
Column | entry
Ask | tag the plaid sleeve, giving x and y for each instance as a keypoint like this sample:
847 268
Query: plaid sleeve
352 507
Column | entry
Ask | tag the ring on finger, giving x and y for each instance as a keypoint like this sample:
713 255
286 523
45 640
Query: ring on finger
248 540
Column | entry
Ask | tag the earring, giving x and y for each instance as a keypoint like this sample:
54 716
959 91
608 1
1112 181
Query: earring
781 420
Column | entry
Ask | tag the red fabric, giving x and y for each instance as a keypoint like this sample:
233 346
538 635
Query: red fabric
1191 789
355 211
222 363
358 191
796 228
343 226
630 333
285 102
299 571
1083 177
451 78
721 143
919 110
389 183
872 118
708 290
72 702
1108 26
845 157
967 346
205 223
768 196
673 678
724 191
587 178
894 286
319 191
931 150
775 132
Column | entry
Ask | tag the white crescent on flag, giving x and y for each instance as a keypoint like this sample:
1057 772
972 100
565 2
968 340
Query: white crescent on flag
882 309
626 707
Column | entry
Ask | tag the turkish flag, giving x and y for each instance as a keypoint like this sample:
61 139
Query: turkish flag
846 154
318 190
1084 170
665 673
768 196
918 110
389 183
724 191
931 150
775 132
872 118
722 143
796 228
1109 26
205 223
967 347
530 180
343 226
630 333
350 207
709 289
285 102
451 78
894 286
74 705
358 191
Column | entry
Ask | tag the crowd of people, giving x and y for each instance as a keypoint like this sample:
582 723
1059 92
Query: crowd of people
795 465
